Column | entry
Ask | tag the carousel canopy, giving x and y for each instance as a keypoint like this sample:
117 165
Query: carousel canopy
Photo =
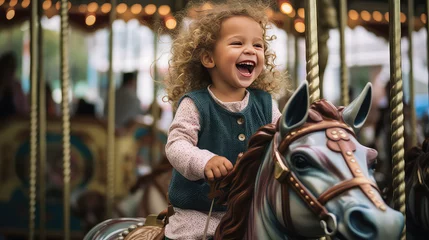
91 15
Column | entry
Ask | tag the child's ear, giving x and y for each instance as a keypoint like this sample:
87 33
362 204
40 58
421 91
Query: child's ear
207 60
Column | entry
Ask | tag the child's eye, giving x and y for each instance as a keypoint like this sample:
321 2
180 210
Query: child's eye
236 43
258 45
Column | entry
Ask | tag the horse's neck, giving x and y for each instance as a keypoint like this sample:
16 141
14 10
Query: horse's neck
263 216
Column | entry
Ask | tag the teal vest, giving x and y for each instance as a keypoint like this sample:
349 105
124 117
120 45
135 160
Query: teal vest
223 133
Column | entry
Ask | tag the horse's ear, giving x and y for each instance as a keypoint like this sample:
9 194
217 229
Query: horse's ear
356 112
295 111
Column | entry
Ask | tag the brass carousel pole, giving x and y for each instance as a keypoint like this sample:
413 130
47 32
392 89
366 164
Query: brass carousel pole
155 107
411 74
396 108
296 60
33 117
312 49
344 71
42 131
65 112
111 121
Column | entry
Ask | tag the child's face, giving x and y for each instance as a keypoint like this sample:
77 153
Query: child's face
238 55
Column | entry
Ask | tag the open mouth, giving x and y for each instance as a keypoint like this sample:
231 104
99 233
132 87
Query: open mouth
245 68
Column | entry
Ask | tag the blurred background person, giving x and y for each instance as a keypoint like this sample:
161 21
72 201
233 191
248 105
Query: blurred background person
127 103
12 98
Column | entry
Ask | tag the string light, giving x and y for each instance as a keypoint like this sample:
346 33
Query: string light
423 18
10 14
90 20
105 8
301 12
150 9
164 10
12 3
121 8
386 16
377 16
365 15
82 8
25 3
171 23
46 5
286 8
353 15
299 26
92 7
1 2
136 8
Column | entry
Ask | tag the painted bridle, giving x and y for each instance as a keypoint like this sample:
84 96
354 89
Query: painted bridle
338 140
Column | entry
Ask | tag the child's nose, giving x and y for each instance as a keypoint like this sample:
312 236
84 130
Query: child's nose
249 50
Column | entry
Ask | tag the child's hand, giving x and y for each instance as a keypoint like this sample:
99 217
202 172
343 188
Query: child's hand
217 167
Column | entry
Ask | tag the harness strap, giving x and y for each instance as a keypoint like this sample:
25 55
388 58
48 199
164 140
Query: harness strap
342 187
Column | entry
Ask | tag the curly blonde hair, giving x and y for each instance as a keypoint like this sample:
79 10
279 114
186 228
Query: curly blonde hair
186 72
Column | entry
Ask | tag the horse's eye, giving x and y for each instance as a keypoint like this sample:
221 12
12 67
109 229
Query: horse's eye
300 162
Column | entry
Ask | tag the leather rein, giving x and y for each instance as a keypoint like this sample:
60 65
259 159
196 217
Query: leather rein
338 140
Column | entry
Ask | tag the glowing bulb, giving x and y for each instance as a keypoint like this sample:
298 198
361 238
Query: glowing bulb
1 2
12 3
353 15
46 5
365 15
301 13
150 9
90 20
423 18
136 9
105 8
403 17
121 8
286 8
299 26
24 3
82 8
10 14
377 16
92 7
171 23
164 10
386 16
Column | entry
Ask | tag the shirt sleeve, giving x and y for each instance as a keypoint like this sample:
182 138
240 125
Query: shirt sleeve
276 112
181 148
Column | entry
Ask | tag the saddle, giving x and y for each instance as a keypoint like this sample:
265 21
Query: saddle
152 229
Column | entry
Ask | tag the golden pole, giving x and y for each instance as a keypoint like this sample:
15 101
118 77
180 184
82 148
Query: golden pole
396 106
42 131
111 122
344 71
411 73
155 107
33 117
64 57
312 49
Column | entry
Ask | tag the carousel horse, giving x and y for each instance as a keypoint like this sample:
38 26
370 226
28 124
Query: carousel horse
304 178
417 191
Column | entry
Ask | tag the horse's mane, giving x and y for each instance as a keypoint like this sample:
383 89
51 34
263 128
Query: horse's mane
237 188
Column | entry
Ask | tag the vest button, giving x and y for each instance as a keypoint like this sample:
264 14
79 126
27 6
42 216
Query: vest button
240 155
240 121
241 137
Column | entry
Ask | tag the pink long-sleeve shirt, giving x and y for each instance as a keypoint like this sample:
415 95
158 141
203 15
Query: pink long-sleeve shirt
189 160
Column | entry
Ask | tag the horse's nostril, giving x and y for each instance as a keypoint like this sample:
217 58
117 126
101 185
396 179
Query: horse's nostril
361 223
